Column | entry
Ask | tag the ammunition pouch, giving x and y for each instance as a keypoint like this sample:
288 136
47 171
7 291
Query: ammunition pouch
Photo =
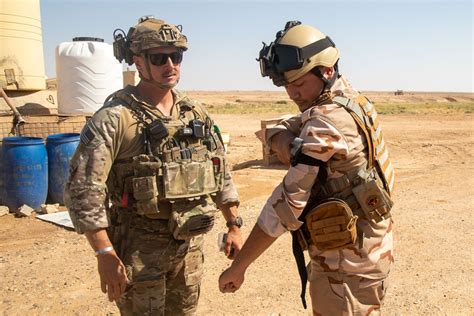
330 225
145 193
143 185
196 221
187 179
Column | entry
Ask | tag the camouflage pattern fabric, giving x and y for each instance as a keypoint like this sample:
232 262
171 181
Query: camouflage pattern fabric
113 134
165 274
342 294
330 134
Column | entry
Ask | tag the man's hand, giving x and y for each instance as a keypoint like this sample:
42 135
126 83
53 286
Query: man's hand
231 280
280 144
113 276
233 243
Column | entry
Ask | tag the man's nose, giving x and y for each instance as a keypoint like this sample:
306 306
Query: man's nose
169 62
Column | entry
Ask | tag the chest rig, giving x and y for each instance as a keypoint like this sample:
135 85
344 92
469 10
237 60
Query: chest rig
182 160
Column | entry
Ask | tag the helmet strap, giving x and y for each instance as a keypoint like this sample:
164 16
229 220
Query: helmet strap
325 95
327 83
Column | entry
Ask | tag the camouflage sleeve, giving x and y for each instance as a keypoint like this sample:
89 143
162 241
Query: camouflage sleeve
321 141
85 192
229 192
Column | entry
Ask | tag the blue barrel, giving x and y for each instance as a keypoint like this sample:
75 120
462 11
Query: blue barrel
25 169
2 175
60 148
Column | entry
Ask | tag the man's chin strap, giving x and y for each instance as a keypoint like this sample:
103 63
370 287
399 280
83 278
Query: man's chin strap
325 95
152 80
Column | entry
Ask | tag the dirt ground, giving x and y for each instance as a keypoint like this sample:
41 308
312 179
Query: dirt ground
48 270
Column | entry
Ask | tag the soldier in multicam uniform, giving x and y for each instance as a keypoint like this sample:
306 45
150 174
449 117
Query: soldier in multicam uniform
146 179
336 196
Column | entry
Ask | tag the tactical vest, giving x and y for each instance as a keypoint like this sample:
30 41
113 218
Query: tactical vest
182 160
368 188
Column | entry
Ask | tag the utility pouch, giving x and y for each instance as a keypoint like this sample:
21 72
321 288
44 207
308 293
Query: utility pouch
198 220
374 201
145 193
331 225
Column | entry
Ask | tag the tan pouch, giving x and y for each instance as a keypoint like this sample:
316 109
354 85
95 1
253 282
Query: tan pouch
145 193
374 201
188 179
331 225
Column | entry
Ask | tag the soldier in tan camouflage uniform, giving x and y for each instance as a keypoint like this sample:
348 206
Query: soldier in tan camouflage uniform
146 179
335 198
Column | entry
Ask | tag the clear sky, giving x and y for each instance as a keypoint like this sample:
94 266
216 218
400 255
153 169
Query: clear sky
417 45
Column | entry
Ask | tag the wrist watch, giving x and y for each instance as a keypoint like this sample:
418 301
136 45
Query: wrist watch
235 222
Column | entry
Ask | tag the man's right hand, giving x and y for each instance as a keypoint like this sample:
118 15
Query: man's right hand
113 276
280 144
231 280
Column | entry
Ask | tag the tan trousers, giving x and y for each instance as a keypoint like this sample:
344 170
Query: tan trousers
337 294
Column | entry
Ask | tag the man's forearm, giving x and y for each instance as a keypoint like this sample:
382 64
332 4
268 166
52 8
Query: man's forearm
229 210
256 244
98 239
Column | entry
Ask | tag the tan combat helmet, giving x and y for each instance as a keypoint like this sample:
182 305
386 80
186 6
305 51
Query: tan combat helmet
147 34
297 49
150 33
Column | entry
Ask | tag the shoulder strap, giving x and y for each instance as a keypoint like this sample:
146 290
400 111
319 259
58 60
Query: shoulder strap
357 114
365 115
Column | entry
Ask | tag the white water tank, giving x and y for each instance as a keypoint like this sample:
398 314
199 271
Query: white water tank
87 72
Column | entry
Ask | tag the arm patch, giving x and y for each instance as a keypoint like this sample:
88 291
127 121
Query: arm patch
87 136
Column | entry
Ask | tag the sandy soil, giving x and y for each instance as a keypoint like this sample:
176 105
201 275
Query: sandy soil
48 270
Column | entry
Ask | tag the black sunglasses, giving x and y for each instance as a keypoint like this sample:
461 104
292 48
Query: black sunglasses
160 59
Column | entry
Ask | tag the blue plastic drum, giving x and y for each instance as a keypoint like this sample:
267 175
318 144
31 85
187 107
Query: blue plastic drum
25 171
60 148
2 175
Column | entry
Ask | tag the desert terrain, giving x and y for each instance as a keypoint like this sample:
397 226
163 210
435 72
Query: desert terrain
49 270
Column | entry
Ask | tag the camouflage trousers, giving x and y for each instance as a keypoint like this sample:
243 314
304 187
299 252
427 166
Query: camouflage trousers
165 274
339 294
353 280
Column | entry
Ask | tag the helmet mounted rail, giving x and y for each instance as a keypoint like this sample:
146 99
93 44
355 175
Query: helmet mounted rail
275 59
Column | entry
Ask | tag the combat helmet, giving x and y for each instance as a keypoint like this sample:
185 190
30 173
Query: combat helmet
148 33
297 50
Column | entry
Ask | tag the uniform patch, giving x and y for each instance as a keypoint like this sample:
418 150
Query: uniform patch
87 135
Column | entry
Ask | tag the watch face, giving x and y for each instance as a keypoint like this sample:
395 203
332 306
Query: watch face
237 222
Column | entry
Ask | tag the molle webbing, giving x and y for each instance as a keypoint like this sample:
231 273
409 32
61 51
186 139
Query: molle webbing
365 115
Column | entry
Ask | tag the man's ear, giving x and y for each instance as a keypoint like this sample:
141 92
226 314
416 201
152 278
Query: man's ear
138 62
328 72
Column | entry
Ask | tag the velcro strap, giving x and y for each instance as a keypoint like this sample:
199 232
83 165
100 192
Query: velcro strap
334 236
331 221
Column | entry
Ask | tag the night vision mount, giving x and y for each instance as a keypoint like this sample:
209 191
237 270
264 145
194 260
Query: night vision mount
122 46
267 58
